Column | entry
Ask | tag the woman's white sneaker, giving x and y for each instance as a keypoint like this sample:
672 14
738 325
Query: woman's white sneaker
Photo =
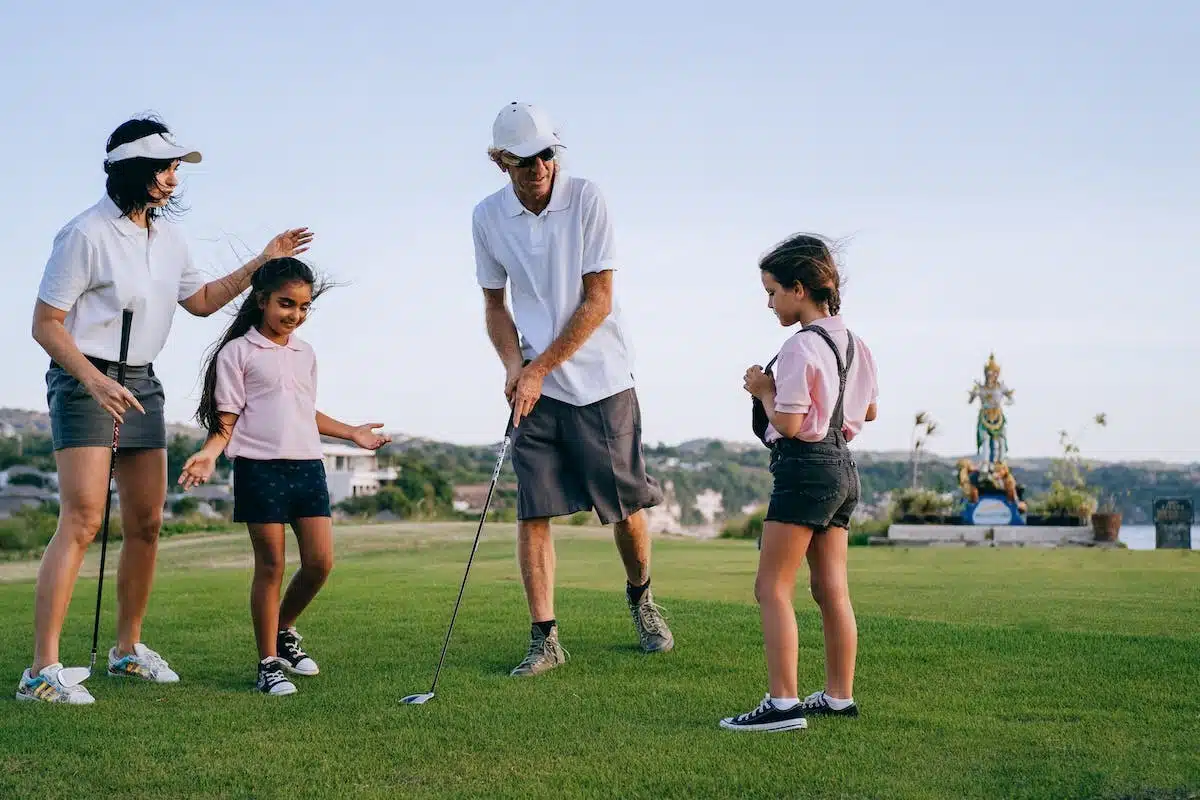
142 663
52 686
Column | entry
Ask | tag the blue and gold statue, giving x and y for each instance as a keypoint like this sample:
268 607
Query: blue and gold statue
991 491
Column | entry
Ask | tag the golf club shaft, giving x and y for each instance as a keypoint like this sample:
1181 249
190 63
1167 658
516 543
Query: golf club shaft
126 326
482 518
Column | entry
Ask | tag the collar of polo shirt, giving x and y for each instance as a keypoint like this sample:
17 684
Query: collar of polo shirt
122 223
560 197
254 336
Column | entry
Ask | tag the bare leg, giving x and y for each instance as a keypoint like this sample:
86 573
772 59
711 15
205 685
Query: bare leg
142 487
783 548
315 535
633 543
535 554
82 483
830 588
269 555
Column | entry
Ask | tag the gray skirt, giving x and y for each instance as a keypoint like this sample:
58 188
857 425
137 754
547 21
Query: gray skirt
77 420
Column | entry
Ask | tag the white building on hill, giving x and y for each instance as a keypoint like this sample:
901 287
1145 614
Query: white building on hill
353 471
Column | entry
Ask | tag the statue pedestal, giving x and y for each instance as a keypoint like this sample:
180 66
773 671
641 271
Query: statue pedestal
993 510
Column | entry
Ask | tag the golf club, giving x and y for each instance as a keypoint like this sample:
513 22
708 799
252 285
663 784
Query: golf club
419 699
126 325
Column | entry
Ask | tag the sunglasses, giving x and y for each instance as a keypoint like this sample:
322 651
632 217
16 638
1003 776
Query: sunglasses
509 160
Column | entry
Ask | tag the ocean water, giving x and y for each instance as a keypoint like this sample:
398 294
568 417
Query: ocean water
1141 537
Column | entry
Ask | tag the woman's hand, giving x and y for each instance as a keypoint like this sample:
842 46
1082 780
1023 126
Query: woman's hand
112 396
289 243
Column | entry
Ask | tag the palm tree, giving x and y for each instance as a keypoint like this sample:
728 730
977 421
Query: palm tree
924 426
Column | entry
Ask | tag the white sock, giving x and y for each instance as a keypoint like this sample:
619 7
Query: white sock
785 703
837 704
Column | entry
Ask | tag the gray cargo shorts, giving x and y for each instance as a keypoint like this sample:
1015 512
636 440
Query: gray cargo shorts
77 420
582 458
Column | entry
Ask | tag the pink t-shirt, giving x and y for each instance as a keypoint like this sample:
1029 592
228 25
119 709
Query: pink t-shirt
273 390
806 381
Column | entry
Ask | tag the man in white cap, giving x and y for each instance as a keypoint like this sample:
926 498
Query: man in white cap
577 440
121 253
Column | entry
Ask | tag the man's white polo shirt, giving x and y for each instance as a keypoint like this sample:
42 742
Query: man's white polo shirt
102 263
544 258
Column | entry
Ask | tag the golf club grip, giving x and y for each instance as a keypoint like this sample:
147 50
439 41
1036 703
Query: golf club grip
126 329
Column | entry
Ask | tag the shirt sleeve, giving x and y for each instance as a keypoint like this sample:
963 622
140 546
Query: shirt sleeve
868 361
488 271
598 246
191 280
795 373
69 271
230 391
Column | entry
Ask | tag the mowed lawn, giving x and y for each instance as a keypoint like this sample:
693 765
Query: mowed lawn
1001 673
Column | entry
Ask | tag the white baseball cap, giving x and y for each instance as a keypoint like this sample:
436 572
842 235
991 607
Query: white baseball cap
159 146
522 129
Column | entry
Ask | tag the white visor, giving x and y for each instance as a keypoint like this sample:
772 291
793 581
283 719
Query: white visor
158 146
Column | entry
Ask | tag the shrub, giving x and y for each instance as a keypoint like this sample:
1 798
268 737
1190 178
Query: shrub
920 503
750 527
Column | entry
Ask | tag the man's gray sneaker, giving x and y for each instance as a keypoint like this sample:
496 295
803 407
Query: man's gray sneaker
651 626
545 653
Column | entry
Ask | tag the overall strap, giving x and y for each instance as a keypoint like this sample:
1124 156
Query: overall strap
837 418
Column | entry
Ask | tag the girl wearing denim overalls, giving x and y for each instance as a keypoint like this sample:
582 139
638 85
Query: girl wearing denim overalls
822 391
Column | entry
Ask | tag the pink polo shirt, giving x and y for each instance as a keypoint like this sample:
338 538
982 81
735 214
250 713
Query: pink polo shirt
806 382
273 389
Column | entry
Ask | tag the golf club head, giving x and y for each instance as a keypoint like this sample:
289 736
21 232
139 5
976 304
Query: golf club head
417 699
73 676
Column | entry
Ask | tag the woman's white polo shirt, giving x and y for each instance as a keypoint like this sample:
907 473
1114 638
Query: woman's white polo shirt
101 263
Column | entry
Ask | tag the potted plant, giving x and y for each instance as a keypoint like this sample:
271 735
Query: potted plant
1106 521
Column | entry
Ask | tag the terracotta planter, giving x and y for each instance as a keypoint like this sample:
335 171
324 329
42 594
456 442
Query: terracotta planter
1106 525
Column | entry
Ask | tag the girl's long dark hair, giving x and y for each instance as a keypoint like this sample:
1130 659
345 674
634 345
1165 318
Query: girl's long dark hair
270 277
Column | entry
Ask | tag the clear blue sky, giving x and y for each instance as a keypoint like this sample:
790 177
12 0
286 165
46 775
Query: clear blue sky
1022 179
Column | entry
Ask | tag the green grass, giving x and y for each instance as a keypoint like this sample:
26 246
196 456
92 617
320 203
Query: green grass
982 673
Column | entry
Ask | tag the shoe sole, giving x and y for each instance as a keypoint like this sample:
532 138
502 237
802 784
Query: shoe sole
666 649
294 671
24 698
529 674
770 727
112 674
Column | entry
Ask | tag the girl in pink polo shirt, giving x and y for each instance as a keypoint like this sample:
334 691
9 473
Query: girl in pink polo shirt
259 407
817 398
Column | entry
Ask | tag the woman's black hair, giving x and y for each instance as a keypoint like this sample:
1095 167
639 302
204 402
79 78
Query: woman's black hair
130 180
807 260
270 277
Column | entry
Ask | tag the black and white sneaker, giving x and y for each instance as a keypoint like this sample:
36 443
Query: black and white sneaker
768 719
272 680
287 644
817 705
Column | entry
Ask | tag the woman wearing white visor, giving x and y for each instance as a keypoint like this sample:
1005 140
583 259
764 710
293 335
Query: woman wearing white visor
122 253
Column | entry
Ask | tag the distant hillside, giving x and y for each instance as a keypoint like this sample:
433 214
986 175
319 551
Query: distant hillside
707 477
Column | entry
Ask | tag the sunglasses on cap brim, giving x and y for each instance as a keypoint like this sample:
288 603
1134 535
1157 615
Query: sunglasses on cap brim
509 160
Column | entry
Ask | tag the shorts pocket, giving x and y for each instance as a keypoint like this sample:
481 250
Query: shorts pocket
813 481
